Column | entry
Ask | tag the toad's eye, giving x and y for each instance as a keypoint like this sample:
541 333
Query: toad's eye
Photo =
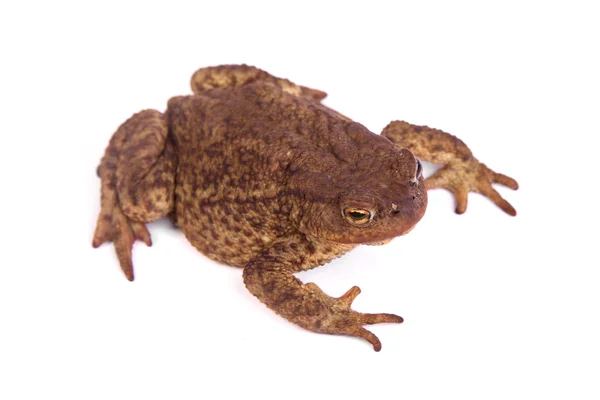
357 216
419 172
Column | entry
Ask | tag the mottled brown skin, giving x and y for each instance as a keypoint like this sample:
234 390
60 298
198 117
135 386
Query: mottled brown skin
258 174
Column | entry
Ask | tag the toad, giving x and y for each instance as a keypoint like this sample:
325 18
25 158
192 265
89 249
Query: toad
260 175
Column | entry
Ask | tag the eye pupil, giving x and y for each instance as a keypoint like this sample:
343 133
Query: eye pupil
357 216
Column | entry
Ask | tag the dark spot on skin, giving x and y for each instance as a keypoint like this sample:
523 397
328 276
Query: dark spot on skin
279 247
286 295
149 204
269 287
223 255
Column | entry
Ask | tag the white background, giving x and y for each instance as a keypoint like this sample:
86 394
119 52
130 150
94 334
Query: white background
495 307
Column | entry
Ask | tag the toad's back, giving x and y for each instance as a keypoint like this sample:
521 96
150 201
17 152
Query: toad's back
236 149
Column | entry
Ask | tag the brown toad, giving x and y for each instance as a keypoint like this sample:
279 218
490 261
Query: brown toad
258 174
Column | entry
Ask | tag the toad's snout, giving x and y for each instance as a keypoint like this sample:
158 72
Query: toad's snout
405 213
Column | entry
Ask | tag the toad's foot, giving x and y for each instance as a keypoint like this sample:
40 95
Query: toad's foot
462 177
114 226
336 317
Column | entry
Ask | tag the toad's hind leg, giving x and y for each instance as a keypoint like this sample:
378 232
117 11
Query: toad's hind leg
239 75
138 174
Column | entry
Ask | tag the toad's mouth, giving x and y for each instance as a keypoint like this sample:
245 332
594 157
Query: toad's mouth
379 243
386 241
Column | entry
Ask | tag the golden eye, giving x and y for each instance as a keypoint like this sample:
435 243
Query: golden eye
357 216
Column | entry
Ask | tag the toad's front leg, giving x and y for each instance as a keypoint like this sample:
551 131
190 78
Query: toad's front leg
462 172
270 278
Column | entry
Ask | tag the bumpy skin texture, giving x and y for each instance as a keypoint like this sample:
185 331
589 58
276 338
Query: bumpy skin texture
258 174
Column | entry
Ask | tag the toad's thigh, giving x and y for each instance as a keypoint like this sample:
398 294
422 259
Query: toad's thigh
140 164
